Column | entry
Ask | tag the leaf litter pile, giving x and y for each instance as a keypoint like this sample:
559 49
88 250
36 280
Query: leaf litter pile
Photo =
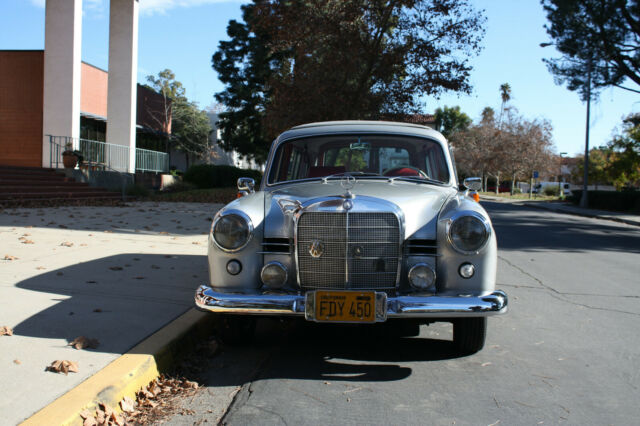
161 398
152 403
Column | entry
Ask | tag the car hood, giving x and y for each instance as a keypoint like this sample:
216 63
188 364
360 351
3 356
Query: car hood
420 203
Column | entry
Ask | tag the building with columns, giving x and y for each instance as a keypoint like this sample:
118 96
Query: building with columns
49 93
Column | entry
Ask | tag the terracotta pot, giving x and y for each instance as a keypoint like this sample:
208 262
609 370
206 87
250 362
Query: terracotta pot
69 160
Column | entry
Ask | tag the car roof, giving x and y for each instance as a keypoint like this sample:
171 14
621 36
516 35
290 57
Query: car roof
361 126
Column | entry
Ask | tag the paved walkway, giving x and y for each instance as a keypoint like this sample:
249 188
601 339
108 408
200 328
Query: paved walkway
562 207
116 274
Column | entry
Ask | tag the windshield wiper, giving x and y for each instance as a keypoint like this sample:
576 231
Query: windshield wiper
354 174
415 179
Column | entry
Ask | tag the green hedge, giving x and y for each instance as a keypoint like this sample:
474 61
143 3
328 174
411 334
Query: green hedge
210 176
620 201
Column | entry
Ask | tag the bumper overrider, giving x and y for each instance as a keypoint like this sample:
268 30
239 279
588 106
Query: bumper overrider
428 306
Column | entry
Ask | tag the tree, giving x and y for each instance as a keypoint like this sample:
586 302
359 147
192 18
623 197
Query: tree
190 126
624 169
600 37
450 120
352 59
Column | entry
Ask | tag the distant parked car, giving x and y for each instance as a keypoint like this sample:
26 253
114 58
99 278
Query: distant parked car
504 187
355 222
540 187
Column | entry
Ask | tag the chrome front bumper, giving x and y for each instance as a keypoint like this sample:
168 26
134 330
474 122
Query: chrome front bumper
396 307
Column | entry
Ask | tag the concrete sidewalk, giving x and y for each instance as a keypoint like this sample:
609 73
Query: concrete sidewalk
116 274
565 207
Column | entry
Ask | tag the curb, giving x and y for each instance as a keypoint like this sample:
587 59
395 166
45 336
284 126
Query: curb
583 214
129 372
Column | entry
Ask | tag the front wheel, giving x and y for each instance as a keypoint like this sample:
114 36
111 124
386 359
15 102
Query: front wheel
469 334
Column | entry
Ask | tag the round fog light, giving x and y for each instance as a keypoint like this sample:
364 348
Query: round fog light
421 276
274 275
234 267
467 270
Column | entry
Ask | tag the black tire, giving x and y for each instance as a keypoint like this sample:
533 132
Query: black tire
469 334
236 330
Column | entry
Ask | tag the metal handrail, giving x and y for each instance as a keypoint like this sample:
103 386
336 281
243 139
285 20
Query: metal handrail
59 149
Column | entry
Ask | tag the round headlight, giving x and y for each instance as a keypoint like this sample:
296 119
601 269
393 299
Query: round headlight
421 276
468 234
274 275
232 231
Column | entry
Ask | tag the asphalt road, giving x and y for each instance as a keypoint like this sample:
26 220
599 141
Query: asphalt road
568 352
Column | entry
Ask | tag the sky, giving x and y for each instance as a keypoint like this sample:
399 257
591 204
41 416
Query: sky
182 35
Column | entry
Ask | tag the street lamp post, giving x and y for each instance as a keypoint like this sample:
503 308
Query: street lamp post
584 201
560 190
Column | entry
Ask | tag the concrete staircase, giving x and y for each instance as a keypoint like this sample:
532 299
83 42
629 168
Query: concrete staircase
34 184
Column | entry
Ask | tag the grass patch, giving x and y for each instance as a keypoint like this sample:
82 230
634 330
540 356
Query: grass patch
506 195
215 195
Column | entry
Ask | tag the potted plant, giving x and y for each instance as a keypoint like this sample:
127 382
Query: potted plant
69 156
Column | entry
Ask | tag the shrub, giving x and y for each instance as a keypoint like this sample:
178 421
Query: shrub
210 176
621 201
136 190
551 190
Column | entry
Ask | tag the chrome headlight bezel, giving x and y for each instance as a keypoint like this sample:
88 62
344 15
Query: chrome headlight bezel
475 215
242 216
415 268
279 265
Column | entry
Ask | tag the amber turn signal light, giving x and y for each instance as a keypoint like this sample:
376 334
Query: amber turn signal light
476 197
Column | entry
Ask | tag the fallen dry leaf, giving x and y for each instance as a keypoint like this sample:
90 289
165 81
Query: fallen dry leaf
82 342
116 268
17 361
6 331
9 257
40 268
127 404
97 310
63 366
139 278
67 244
28 242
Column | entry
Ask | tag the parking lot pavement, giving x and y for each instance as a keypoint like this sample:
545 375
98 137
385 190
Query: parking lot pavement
115 274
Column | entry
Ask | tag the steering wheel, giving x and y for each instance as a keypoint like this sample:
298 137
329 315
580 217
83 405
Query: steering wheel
405 171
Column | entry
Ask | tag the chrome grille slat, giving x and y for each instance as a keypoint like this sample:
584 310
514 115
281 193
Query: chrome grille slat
361 250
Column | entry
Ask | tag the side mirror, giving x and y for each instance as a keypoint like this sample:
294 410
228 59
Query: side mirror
246 184
473 183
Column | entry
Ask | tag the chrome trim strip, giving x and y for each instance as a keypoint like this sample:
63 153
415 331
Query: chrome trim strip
416 306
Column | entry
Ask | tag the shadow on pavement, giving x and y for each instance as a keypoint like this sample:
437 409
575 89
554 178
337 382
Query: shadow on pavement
136 218
307 351
545 230
118 300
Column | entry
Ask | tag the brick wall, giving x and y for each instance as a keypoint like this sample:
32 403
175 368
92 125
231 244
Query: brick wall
93 90
21 91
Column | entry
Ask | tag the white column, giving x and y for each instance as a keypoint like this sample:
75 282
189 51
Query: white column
123 68
62 51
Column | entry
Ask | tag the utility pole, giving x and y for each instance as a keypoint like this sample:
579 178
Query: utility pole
584 201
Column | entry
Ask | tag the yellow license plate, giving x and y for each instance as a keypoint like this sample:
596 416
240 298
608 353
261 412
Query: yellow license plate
345 306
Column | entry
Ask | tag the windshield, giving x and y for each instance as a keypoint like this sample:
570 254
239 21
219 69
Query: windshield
366 156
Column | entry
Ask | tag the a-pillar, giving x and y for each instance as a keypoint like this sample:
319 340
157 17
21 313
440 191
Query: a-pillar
123 66
62 56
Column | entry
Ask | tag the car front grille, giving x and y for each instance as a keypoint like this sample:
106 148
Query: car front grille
357 250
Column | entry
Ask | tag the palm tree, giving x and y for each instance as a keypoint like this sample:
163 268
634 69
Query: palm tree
505 94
